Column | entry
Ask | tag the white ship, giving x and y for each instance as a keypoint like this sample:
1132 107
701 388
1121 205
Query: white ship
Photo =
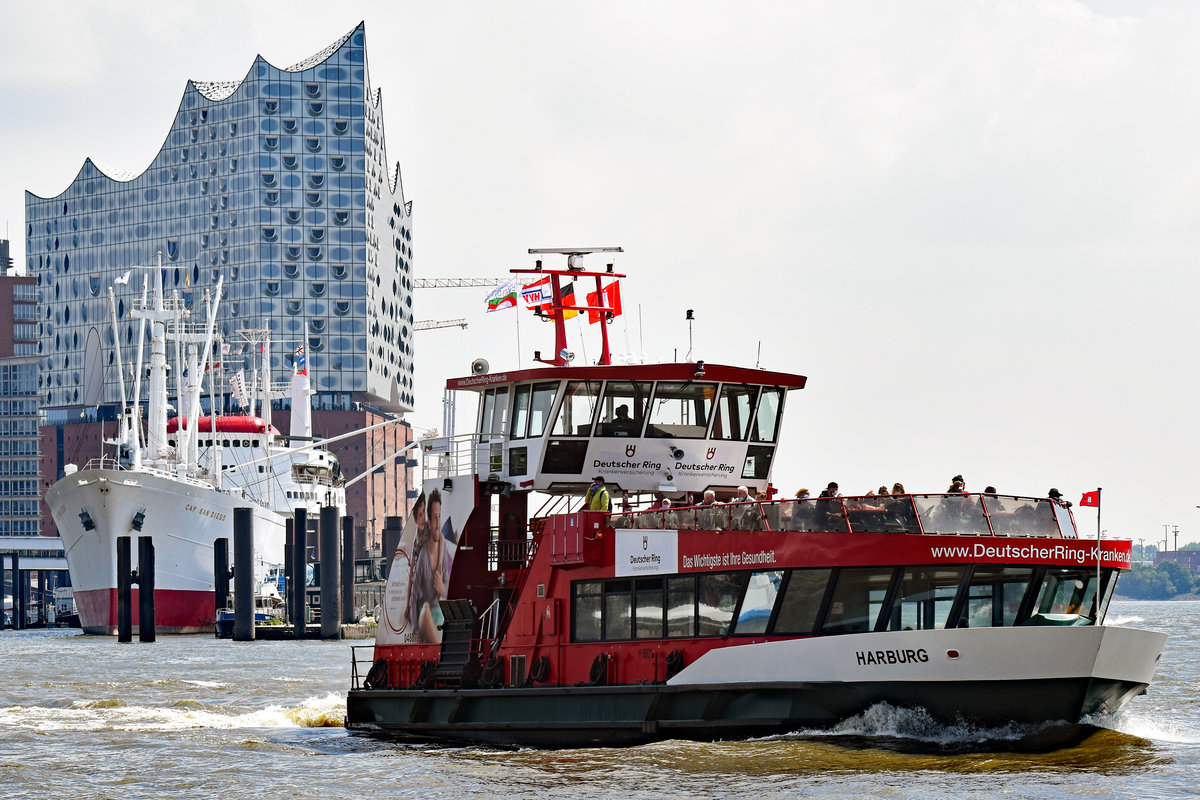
179 483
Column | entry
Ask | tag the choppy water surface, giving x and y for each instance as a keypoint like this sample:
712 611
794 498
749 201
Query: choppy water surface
196 717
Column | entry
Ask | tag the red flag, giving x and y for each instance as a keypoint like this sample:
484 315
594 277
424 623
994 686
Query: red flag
612 301
1091 499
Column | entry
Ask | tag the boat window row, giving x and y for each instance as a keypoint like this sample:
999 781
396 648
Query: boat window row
224 443
836 600
634 409
960 514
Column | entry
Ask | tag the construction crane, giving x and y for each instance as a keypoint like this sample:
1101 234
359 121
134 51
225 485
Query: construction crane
448 283
454 283
430 324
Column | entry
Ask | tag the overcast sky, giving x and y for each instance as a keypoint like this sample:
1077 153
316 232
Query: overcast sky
972 225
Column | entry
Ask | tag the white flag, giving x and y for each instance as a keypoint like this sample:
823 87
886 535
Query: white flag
237 384
124 278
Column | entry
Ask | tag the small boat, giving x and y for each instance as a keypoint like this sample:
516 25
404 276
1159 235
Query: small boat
269 609
521 611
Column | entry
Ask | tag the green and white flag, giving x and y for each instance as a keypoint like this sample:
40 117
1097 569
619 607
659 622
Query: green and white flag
504 295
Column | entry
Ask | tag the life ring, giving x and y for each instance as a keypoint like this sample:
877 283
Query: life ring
377 678
425 675
598 675
493 672
540 670
674 662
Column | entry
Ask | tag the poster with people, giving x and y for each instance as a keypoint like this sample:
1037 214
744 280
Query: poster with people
420 572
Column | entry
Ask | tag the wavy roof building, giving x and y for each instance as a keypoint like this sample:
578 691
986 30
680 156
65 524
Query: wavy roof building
280 183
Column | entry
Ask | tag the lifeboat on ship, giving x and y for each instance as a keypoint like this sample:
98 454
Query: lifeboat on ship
516 615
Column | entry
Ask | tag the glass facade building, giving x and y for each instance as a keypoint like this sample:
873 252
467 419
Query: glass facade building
280 184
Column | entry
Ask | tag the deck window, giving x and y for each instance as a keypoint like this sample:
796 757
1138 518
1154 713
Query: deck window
758 602
618 610
994 597
802 601
1065 597
681 606
623 409
924 598
681 410
648 604
577 410
734 411
857 599
719 594
588 618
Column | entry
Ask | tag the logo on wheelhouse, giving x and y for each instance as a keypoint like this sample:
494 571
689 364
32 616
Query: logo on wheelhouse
630 449
712 452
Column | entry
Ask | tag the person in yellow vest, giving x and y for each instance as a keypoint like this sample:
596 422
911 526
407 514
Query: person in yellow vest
597 498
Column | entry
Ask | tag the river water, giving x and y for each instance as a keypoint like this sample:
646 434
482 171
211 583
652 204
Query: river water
198 717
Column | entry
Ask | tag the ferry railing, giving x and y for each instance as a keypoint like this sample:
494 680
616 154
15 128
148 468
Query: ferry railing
944 514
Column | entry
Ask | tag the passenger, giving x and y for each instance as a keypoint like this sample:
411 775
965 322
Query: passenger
625 519
1001 517
669 519
902 517
883 491
709 515
799 516
1056 496
742 496
829 516
597 498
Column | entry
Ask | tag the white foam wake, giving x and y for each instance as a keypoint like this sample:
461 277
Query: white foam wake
314 712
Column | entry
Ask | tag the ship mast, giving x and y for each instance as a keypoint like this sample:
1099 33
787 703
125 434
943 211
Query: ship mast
562 356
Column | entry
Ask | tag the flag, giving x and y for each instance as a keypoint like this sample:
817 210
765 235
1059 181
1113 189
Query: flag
612 300
568 299
301 368
538 293
504 295
1091 499
237 385
124 278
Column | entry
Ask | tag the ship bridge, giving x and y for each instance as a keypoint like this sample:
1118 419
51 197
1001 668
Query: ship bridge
666 428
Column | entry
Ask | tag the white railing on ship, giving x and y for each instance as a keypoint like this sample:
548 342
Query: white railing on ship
103 462
467 454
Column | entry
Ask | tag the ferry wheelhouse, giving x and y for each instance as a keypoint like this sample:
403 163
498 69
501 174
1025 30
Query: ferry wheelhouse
514 615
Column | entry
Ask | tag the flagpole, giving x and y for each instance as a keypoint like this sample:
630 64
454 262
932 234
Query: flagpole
1097 614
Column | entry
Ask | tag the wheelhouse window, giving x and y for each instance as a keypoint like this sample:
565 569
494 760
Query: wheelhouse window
540 407
766 421
681 410
623 409
734 411
577 410
494 412
520 418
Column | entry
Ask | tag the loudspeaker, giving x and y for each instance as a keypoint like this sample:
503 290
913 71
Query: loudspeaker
479 366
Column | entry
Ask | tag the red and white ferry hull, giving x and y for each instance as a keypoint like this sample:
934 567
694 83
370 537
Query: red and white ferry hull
184 519
987 677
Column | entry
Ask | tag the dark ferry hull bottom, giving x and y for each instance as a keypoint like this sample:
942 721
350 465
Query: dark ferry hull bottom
989 677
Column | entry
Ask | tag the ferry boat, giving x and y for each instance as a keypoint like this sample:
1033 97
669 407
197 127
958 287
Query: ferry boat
518 613
179 482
